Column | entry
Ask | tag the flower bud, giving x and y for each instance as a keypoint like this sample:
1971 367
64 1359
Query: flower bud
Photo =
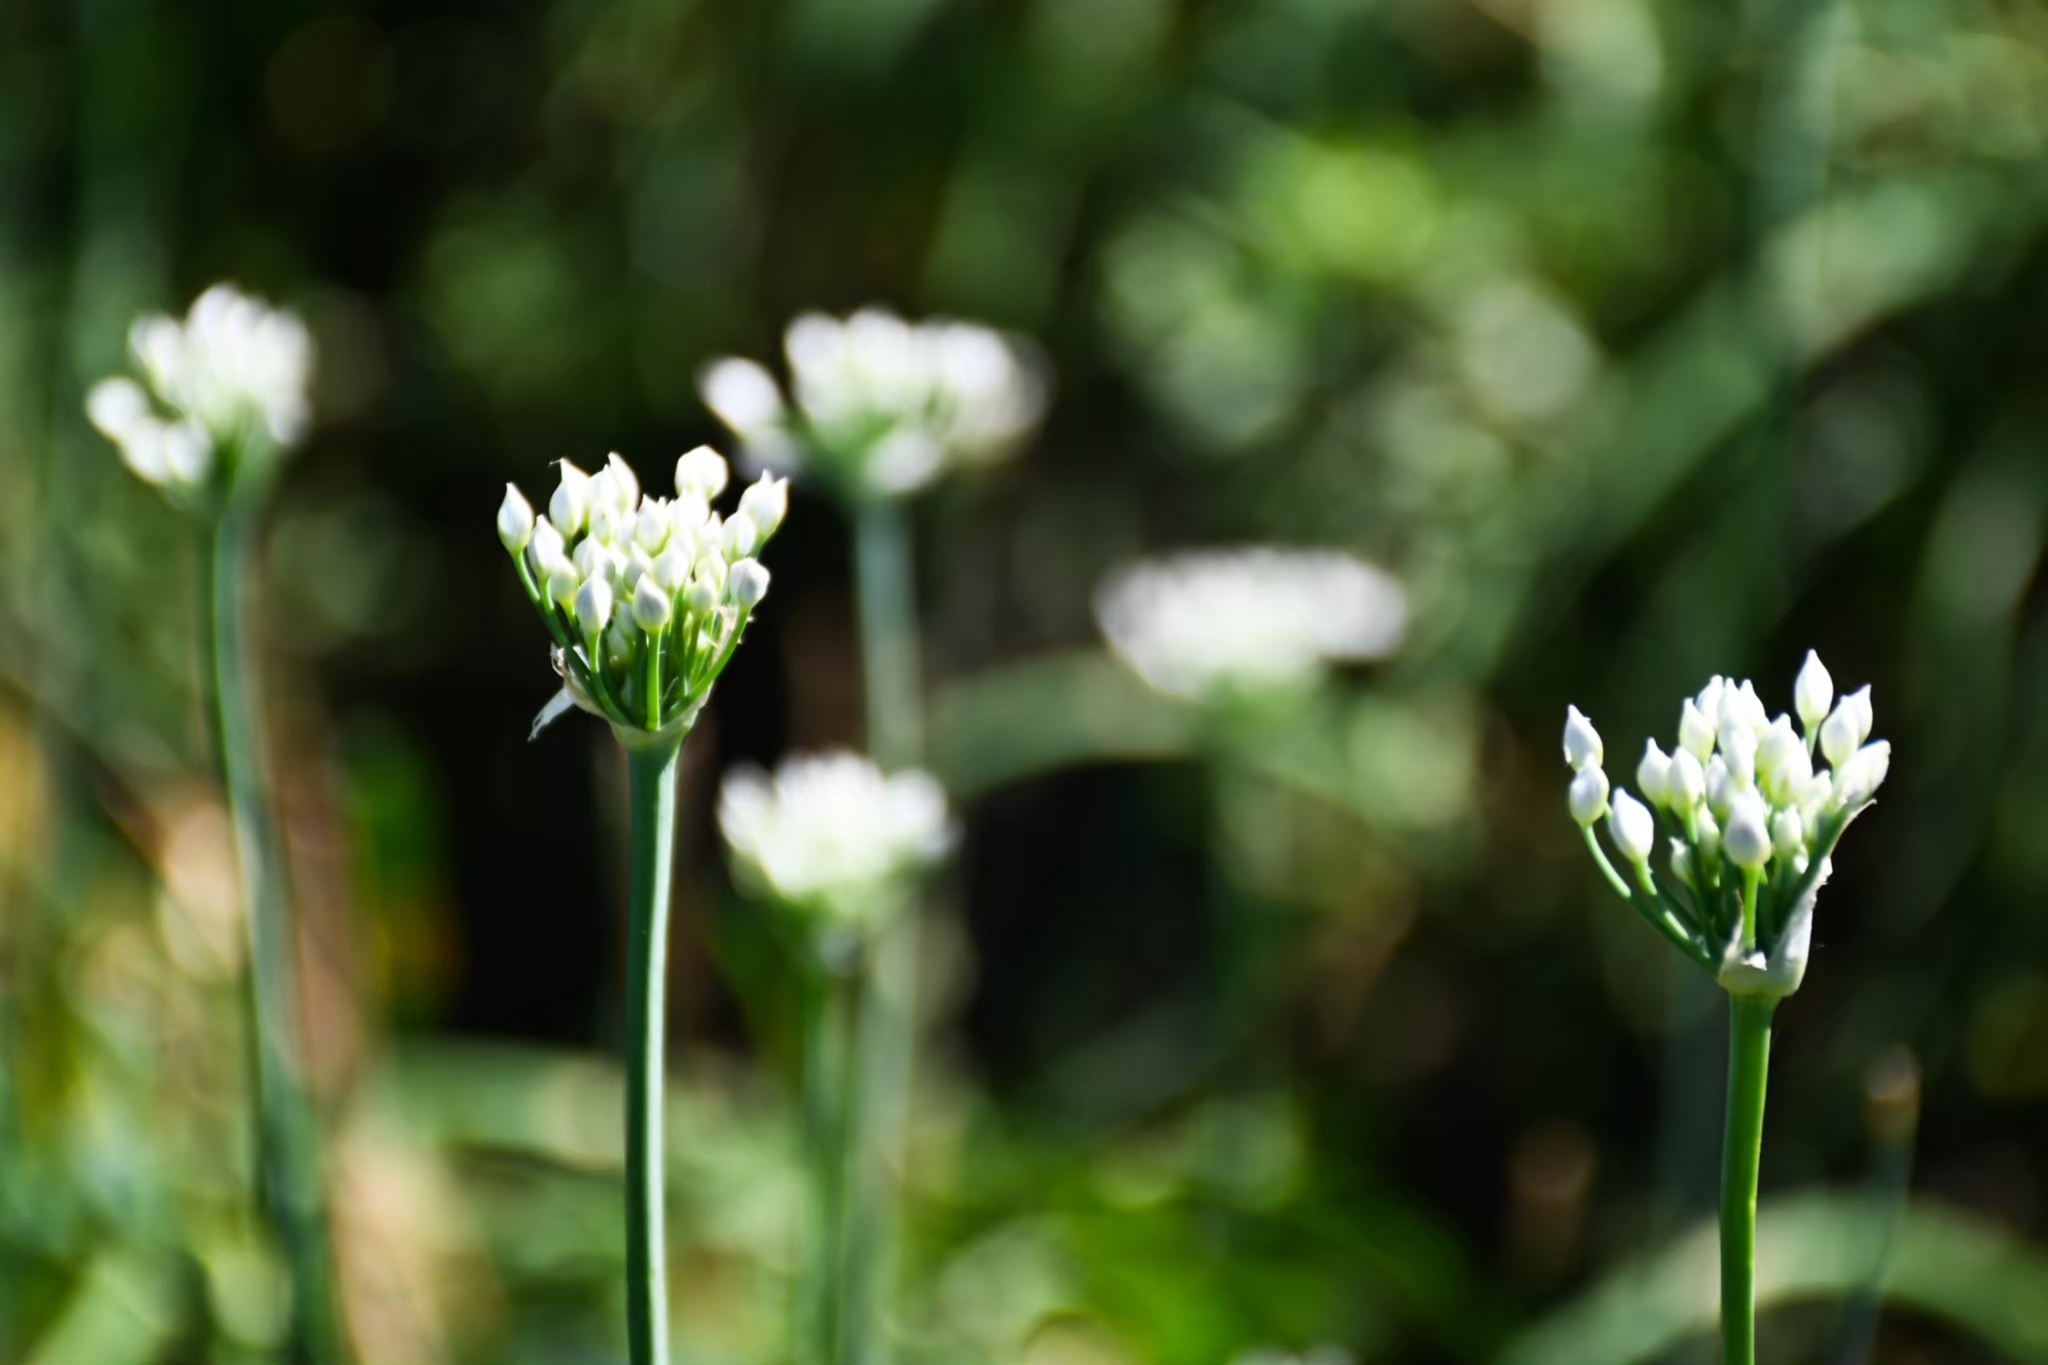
1812 691
748 583
1738 747
1582 747
1741 705
1788 833
1685 783
1748 838
1857 780
1813 796
1695 729
1587 795
545 549
1708 699
700 597
1707 833
1846 727
594 604
1793 771
633 568
702 471
766 503
1721 788
741 536
712 568
593 556
605 520
1651 773
651 527
1632 827
672 568
187 454
1681 861
515 520
563 581
118 407
1776 748
570 506
651 606
625 483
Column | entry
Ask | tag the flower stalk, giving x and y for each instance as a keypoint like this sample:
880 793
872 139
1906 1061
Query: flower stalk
651 777
1749 1064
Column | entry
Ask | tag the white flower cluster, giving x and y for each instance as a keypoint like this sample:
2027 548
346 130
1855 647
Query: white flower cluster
646 596
1253 620
1751 820
881 405
832 835
231 380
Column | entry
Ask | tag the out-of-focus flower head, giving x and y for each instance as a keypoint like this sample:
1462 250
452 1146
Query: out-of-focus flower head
1254 620
223 393
878 405
646 596
1750 821
833 836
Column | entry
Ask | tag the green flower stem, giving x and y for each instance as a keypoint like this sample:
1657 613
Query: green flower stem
651 773
1749 1061
830 1009
287 1130
888 1023
1750 877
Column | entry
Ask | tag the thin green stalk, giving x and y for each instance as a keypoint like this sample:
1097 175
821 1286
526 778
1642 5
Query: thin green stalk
651 774
830 1009
1749 1061
287 1136
888 1022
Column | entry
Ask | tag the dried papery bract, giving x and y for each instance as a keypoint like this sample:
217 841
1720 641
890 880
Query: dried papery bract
221 398
646 598
1750 824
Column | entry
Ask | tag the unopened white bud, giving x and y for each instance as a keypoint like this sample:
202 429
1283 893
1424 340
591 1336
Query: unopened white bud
594 604
1742 705
1813 796
634 567
748 583
1721 788
700 597
563 581
1789 778
1738 748
1847 726
569 508
515 520
1857 780
1685 783
624 481
712 568
672 568
545 548
766 503
1812 691
651 606
1582 747
594 557
1681 860
1651 772
1777 747
1748 837
1788 833
1587 795
1708 700
651 527
742 537
1707 832
1695 730
703 472
1632 827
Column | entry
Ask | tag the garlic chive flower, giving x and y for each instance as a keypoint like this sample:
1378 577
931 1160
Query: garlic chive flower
1749 822
646 597
223 394
879 405
833 837
1251 621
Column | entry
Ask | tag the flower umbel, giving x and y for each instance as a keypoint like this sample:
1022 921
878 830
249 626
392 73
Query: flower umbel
646 597
832 835
1253 620
881 405
1750 822
224 392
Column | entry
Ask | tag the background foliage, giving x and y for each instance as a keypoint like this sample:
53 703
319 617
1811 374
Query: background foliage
1642 340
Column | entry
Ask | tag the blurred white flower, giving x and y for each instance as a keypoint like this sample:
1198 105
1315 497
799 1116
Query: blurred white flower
229 380
1248 620
881 405
646 597
832 834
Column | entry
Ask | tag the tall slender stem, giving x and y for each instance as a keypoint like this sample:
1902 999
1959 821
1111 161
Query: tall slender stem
888 1019
1749 1062
651 774
287 1132
830 1009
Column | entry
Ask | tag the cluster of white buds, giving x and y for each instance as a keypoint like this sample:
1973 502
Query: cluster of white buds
226 393
834 838
1751 821
646 596
1250 621
880 405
